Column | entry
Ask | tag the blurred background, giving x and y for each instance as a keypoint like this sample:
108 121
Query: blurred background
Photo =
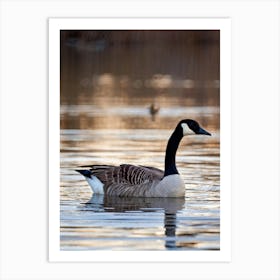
122 94
124 77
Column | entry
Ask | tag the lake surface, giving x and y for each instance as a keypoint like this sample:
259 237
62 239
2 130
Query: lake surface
109 81
95 222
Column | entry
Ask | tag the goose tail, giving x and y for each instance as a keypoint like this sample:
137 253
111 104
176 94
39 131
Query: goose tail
85 173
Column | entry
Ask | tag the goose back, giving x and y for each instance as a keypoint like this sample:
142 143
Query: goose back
127 180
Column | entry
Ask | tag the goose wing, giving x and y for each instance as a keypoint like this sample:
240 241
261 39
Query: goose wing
155 171
126 179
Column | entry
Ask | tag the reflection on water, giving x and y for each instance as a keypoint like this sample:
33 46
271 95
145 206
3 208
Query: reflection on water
94 222
169 206
125 115
109 84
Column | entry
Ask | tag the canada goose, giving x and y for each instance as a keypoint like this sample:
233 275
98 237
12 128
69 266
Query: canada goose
144 181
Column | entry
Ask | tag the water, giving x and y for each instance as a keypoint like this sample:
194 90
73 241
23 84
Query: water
107 88
95 222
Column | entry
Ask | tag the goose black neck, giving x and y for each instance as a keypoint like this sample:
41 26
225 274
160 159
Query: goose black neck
170 154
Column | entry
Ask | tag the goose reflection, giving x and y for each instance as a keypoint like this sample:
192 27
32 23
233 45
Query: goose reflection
170 206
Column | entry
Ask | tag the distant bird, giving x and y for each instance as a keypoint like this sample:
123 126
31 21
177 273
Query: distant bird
154 109
129 180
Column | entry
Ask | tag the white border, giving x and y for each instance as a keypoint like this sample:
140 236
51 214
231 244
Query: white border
55 25
255 139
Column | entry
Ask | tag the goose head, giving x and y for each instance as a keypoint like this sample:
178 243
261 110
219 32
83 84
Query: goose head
191 127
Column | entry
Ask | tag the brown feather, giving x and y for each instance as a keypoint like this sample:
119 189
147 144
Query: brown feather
126 179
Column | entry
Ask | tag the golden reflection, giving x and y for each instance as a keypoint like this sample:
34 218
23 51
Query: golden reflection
140 69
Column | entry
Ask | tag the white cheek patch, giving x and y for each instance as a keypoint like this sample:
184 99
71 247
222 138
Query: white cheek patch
186 129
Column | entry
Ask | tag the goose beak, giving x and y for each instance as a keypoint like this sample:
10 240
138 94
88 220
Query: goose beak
203 131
